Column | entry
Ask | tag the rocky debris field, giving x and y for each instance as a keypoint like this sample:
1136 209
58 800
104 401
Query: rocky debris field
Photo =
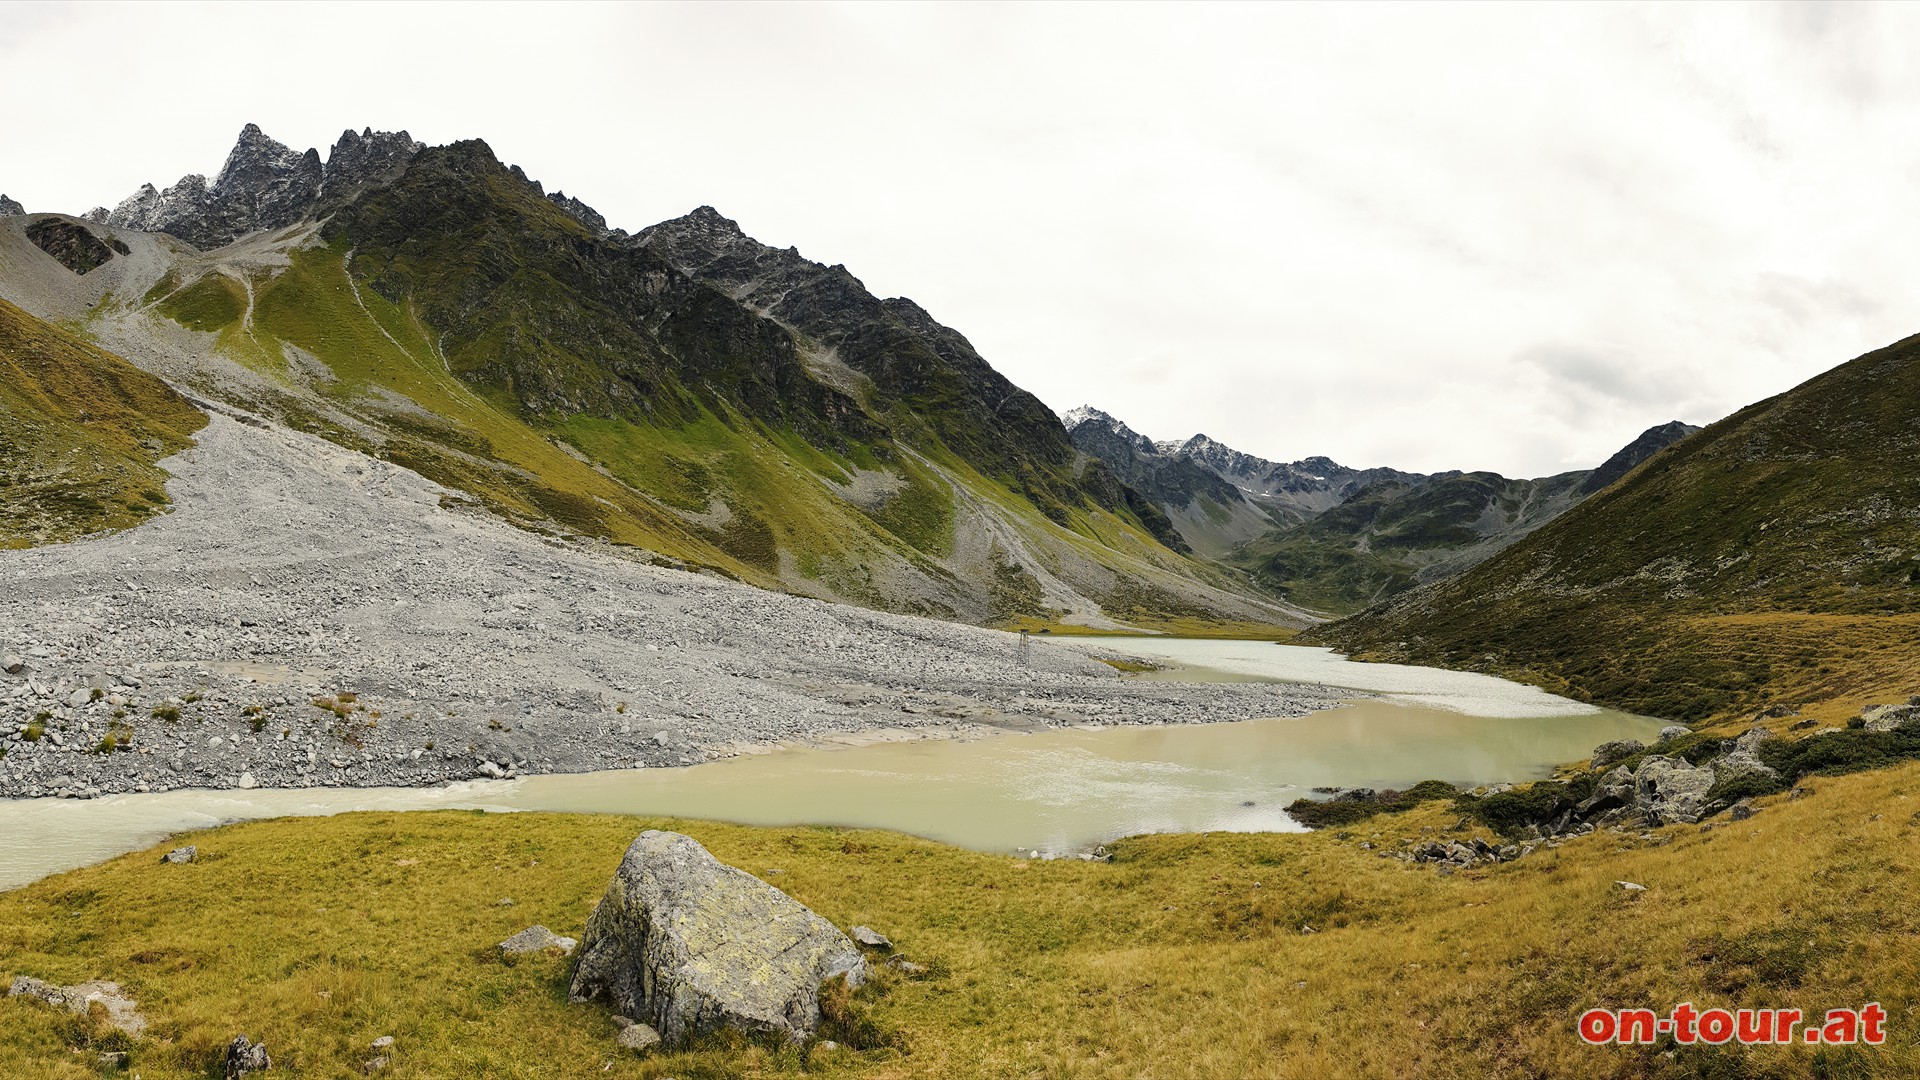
308 616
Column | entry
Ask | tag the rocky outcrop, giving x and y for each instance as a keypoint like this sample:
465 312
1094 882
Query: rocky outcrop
1668 789
689 946
74 245
579 211
264 184
121 1012
10 208
1892 717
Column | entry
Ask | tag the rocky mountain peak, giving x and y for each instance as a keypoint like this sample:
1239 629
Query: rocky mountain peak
264 184
1087 414
704 237
1650 442
579 211
1224 459
358 157
10 208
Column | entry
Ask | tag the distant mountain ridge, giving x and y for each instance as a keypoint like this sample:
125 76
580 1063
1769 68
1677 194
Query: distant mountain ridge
1769 560
1332 537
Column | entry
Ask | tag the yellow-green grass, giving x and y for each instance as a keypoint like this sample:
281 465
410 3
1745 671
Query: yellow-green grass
1187 956
80 432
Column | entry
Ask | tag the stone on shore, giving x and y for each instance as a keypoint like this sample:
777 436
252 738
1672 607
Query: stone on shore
689 946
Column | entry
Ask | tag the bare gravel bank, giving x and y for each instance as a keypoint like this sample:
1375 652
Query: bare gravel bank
308 616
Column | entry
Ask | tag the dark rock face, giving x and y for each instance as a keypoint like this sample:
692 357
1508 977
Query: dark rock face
1651 441
690 946
566 322
73 244
579 211
10 208
368 157
892 352
263 185
1167 479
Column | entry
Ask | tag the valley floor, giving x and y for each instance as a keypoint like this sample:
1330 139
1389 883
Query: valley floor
1222 955
309 616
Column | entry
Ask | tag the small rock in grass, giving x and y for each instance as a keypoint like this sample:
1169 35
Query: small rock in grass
181 855
1630 886
383 1042
638 1037
246 1057
536 939
871 938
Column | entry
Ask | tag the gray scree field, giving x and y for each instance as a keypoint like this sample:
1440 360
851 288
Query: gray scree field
308 616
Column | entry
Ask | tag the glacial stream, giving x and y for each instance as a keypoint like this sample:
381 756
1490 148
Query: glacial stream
1051 791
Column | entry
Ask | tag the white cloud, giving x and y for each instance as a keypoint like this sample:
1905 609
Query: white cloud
1435 237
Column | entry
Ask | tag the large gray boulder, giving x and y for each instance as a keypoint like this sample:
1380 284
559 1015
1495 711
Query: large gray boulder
1668 789
1614 791
689 946
1608 753
1892 717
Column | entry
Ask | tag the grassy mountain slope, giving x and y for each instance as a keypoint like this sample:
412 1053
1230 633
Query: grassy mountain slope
1772 559
454 320
80 432
1185 956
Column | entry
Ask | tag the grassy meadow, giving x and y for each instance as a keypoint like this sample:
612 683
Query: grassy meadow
1187 956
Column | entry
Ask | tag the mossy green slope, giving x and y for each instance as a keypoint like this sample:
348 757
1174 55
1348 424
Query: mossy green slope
1773 558
80 432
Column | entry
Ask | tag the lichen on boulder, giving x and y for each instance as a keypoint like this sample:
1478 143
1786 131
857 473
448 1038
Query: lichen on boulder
691 946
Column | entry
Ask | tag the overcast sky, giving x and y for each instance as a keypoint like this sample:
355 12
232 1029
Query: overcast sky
1493 237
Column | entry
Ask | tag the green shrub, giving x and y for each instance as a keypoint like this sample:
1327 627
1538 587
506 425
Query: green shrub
1508 812
1322 813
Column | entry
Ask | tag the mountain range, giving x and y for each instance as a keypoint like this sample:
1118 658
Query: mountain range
1769 562
1334 538
686 391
